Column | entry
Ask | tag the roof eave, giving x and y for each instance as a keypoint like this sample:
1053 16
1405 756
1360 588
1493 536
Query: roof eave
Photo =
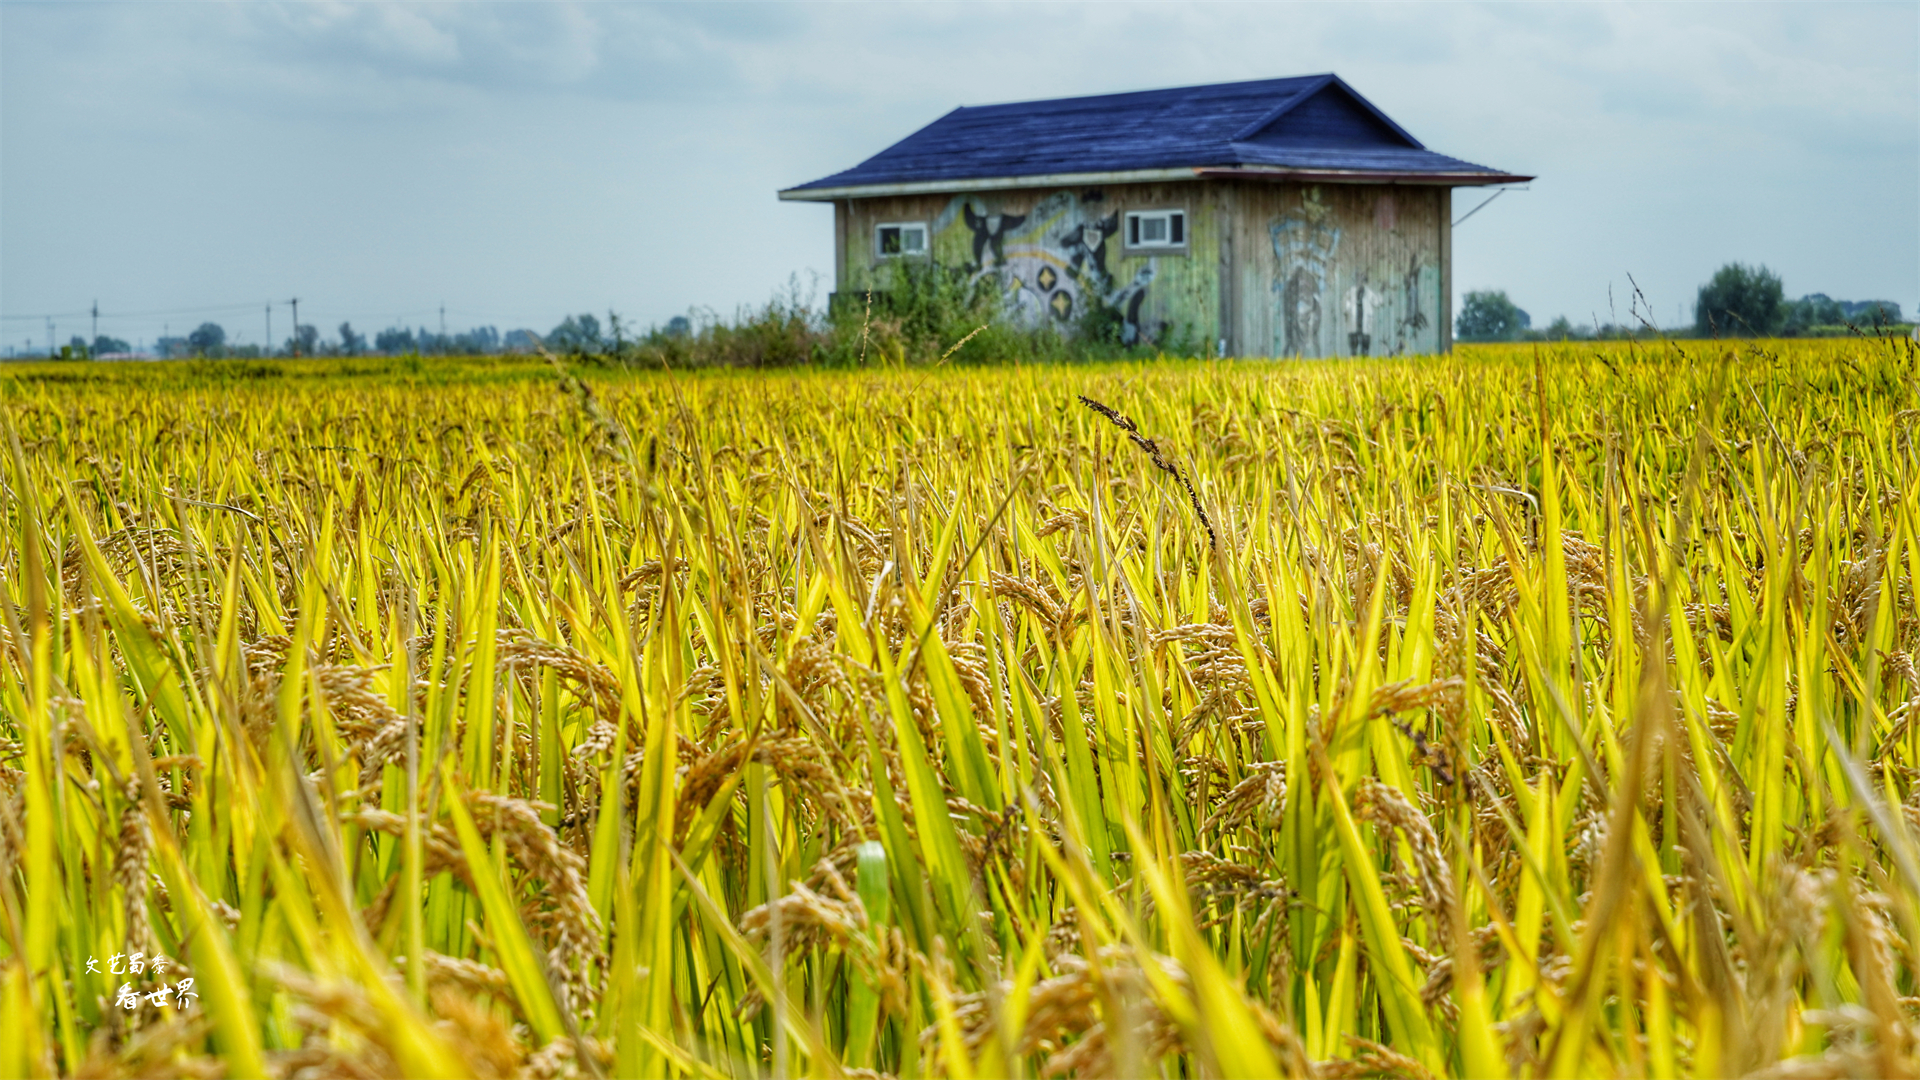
1269 173
1442 178
986 183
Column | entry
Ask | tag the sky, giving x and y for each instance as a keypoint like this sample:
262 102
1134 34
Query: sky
174 163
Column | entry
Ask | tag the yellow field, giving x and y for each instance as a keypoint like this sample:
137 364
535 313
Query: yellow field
1514 713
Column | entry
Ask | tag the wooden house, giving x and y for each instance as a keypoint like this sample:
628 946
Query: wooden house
1282 217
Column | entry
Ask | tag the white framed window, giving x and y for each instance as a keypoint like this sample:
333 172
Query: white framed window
1157 228
895 238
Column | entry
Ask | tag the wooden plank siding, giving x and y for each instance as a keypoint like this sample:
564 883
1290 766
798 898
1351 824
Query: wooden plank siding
1326 270
1055 250
1318 270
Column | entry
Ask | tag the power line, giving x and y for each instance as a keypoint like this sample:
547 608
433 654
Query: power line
95 312
401 319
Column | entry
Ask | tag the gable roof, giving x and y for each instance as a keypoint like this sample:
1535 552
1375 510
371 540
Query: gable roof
1311 127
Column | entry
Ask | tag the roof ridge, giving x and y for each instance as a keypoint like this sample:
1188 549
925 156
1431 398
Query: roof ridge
1155 90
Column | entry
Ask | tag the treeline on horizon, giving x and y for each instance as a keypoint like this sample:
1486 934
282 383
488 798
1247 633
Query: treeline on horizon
1738 301
932 309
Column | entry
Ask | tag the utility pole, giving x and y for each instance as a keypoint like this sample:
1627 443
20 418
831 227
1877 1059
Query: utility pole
443 328
296 326
52 349
96 325
269 329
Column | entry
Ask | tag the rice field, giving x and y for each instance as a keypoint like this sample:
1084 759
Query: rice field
1518 713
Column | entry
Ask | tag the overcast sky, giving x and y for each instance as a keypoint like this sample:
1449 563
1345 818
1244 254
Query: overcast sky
516 162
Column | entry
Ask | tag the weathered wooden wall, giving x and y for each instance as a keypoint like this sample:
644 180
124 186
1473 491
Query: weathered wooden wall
1338 269
1053 251
1312 270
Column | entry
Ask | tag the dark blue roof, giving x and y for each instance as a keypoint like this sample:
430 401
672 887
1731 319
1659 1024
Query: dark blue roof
1314 123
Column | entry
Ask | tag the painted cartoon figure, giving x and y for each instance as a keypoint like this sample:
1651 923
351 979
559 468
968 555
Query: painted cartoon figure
1359 306
1300 312
989 234
1049 261
1086 246
1126 300
1413 321
1305 243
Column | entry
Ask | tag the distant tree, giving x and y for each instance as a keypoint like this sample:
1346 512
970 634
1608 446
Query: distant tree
351 344
103 344
170 347
1562 330
519 341
1490 316
208 339
305 341
478 341
1865 313
426 342
395 339
679 326
1818 312
577 334
1811 310
1740 300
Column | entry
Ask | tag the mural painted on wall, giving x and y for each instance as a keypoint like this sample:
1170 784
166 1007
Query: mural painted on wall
989 234
1051 262
1352 304
1361 308
1413 320
1305 244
